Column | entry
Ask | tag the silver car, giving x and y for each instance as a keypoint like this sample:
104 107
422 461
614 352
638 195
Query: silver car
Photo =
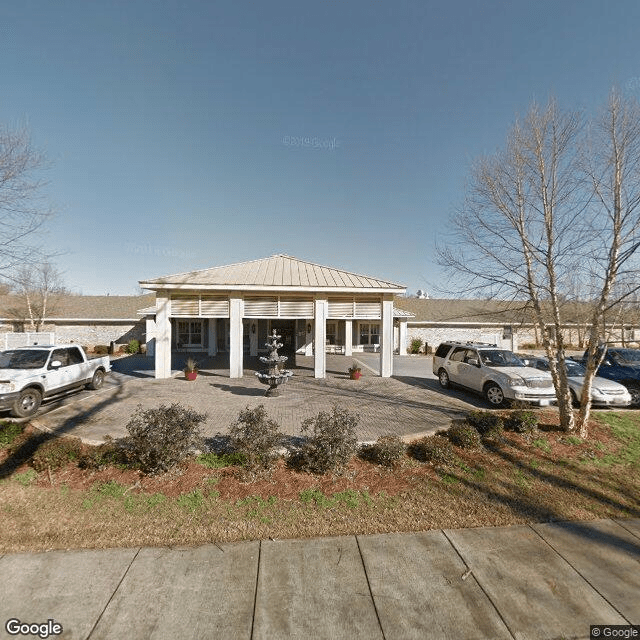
603 392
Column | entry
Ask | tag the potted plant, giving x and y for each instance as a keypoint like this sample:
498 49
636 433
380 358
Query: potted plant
191 369
355 371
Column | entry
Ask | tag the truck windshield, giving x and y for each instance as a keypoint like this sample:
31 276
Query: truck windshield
500 358
627 356
26 359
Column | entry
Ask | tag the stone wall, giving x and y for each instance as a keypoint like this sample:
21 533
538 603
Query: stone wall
433 336
89 335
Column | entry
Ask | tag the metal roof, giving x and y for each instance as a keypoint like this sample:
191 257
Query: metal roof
276 273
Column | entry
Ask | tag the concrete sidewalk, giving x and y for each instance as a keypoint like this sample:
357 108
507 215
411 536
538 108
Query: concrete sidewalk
544 581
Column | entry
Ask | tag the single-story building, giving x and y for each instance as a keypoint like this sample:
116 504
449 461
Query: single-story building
234 308
84 320
507 324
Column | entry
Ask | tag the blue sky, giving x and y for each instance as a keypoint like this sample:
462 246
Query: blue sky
190 134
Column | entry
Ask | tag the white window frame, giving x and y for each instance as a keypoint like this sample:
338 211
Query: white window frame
366 333
190 332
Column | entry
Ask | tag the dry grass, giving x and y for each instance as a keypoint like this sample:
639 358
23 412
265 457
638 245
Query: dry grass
547 476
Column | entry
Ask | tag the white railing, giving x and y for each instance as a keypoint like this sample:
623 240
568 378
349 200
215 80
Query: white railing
14 340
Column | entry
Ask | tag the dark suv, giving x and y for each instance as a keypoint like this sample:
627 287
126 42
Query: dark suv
621 365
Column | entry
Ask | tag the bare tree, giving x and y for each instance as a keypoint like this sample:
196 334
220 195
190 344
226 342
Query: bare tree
516 235
612 166
547 210
22 210
36 290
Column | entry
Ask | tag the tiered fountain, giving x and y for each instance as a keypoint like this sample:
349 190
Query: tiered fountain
273 375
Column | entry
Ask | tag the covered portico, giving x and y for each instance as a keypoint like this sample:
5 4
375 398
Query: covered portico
234 307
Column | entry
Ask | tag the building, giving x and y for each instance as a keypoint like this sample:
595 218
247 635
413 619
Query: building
234 308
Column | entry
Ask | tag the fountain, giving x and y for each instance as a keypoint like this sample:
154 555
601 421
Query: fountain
273 376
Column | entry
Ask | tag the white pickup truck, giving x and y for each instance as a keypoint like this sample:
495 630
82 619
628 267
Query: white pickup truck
29 374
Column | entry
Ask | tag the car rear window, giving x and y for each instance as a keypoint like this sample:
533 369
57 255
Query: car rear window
442 350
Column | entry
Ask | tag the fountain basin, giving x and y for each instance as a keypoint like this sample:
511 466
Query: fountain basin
273 380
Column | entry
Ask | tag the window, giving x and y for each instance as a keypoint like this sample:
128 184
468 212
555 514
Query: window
442 350
189 333
369 333
75 357
458 355
61 355
331 333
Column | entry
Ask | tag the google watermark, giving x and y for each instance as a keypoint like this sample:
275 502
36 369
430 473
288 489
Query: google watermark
15 627
154 250
311 143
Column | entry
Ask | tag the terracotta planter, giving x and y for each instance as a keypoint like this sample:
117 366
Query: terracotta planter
355 375
190 375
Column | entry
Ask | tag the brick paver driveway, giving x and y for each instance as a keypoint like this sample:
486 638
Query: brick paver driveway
403 405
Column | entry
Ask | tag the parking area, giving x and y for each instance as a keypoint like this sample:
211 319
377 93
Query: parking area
410 403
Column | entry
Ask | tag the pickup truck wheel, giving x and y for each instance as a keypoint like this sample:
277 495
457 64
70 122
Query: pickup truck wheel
27 403
443 378
635 395
97 380
494 395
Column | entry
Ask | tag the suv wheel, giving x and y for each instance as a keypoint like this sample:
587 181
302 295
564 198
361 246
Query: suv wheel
443 378
494 395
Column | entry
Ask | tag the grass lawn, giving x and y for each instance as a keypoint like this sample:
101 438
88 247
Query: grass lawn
515 478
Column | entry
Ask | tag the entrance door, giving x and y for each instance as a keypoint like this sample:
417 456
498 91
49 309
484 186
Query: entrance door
286 329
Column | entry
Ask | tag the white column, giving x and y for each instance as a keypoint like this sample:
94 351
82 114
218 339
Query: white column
308 338
386 337
253 338
213 336
163 336
150 335
348 337
402 346
235 337
320 338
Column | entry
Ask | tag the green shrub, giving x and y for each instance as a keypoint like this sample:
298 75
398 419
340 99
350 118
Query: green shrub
160 438
133 346
255 437
221 460
9 431
101 349
55 453
101 456
487 423
521 422
415 345
436 449
464 436
387 451
331 442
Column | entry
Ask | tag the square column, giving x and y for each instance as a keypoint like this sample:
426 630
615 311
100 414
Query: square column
386 338
235 337
150 335
163 336
320 338
253 338
308 337
348 337
213 336
402 342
